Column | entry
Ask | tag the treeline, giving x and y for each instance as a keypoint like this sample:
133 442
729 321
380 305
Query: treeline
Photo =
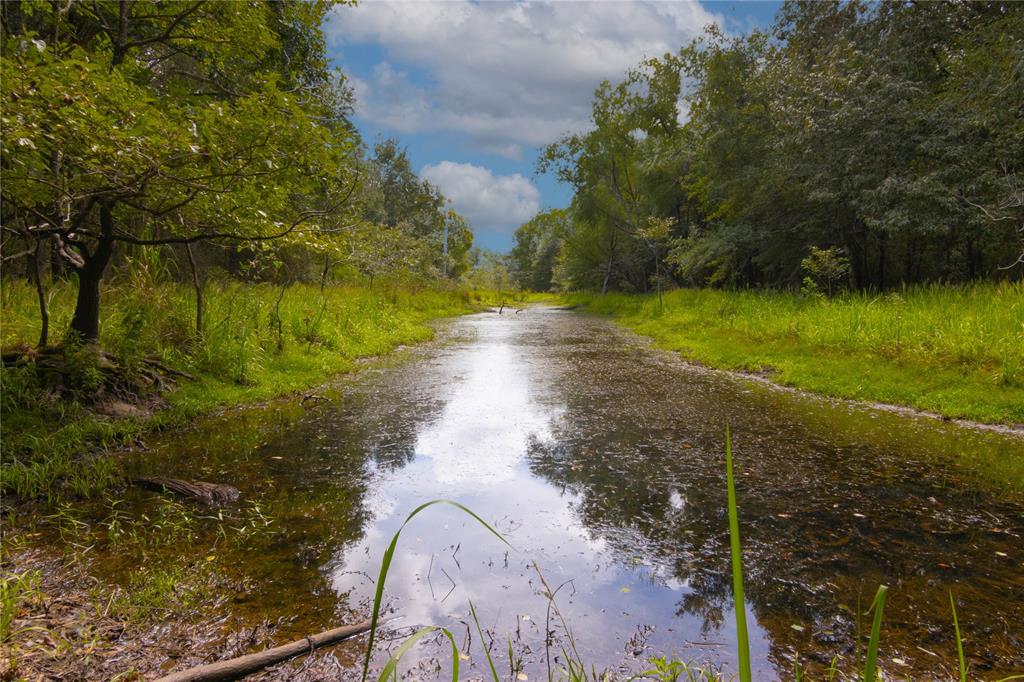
854 144
212 133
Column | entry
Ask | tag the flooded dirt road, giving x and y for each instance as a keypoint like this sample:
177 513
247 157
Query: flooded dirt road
601 459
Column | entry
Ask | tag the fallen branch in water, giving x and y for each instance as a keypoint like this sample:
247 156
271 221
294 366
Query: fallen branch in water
236 668
211 494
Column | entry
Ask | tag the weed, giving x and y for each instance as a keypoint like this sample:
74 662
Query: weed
15 589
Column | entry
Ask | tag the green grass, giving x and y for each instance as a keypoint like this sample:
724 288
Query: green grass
249 352
957 351
742 636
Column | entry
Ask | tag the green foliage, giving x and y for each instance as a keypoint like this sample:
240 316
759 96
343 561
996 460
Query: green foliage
192 123
826 270
15 589
237 360
537 243
742 637
959 641
871 659
882 129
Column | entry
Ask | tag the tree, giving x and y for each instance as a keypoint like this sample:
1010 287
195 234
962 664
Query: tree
537 243
892 131
129 125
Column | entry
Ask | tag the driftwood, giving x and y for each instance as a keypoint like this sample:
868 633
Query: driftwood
236 668
212 494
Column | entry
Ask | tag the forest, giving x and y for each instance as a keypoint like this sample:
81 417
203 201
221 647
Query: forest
852 145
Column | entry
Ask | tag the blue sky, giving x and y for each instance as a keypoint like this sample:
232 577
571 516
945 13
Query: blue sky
473 89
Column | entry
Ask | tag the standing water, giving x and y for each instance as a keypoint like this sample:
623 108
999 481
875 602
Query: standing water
601 461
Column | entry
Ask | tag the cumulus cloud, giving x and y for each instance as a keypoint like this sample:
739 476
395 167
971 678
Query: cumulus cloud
508 74
496 203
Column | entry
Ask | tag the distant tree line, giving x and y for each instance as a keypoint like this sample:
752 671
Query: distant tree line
212 132
854 144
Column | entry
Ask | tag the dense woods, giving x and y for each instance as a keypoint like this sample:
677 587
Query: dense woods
212 134
854 144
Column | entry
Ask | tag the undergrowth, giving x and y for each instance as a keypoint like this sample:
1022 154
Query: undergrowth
258 342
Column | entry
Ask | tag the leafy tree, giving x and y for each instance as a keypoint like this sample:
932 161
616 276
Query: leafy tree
892 131
537 243
161 124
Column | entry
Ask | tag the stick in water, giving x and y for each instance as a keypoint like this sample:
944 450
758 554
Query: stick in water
235 668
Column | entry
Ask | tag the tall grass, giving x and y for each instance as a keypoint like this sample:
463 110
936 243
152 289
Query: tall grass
258 343
742 637
956 350
378 597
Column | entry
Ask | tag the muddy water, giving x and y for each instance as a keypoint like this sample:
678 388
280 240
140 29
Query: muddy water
601 460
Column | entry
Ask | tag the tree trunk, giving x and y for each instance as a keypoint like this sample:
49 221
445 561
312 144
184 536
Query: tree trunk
56 263
881 261
44 312
86 320
327 270
971 259
657 282
198 285
121 42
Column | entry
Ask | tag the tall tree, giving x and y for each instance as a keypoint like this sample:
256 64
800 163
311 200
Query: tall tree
164 123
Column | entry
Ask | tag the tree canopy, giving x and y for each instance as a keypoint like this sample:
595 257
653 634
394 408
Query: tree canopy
179 123
890 132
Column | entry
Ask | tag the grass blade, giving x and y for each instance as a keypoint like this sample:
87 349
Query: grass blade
385 565
742 638
490 661
390 668
959 641
871 664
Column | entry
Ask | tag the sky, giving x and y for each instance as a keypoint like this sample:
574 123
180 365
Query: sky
474 89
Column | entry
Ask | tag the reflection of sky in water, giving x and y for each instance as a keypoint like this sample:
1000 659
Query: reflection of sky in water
603 461
484 429
473 451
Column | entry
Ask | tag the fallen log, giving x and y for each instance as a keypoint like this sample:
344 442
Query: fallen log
235 668
170 371
212 494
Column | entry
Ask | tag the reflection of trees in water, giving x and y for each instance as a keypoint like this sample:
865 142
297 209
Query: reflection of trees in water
822 526
621 505
310 470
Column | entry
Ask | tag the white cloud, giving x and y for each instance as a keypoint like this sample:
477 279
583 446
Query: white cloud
496 203
508 74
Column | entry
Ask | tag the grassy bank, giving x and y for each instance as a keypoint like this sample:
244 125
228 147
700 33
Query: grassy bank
957 351
258 343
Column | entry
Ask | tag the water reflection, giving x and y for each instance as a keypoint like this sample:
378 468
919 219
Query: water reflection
601 460
484 429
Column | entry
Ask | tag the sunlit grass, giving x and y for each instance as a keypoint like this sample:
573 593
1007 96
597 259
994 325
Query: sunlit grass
958 351
243 356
